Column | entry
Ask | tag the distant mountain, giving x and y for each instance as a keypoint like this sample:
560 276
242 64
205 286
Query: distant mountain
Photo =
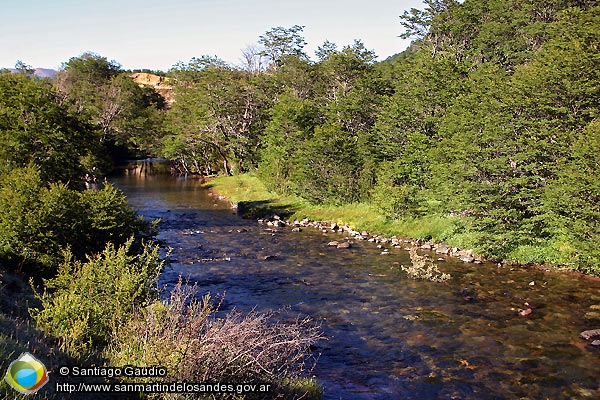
41 72
45 72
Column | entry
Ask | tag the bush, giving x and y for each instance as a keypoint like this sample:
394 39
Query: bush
328 167
108 218
39 221
89 301
185 336
395 195
423 267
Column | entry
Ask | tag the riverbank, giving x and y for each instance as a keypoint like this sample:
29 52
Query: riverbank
250 196
445 234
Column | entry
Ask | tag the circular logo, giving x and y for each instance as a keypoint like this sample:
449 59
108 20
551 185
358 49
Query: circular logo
26 374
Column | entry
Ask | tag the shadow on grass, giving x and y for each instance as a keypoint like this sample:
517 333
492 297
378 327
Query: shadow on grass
265 208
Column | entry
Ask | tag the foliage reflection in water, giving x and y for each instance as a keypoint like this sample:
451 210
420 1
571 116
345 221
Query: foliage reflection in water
389 336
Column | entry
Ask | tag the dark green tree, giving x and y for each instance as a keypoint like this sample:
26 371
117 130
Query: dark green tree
35 128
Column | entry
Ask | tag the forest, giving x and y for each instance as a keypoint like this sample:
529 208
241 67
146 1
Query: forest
488 125
489 121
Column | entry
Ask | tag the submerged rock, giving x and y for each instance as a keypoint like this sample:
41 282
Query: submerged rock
344 245
525 312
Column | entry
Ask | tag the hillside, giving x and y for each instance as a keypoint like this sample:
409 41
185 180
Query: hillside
159 83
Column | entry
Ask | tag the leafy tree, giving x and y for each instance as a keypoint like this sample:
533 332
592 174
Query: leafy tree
328 167
215 117
124 113
34 127
23 68
292 122
281 42
193 72
573 201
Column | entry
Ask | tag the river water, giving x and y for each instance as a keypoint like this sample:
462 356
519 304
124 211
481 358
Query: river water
388 337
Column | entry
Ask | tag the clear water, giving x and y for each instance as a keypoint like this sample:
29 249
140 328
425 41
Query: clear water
389 337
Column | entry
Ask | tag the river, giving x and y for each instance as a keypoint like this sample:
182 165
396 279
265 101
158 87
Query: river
388 337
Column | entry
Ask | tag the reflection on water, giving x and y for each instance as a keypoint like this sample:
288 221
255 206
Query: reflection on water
389 337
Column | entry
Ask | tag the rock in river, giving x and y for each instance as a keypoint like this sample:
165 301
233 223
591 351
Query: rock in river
467 259
592 333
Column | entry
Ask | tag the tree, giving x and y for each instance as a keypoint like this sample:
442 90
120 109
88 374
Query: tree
253 60
24 69
124 113
292 122
216 116
35 128
282 42
572 200
327 167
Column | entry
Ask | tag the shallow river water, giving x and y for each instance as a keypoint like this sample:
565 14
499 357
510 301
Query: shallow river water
388 337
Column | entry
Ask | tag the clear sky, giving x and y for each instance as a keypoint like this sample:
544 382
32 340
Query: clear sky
156 34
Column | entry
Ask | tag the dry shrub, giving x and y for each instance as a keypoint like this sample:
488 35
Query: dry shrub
423 267
185 336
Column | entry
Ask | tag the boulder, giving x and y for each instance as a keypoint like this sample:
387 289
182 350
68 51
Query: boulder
333 243
442 249
344 245
592 333
467 259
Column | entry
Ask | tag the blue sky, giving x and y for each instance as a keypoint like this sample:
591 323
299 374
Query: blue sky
156 34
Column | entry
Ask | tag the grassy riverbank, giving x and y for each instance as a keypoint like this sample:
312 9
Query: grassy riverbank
255 200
